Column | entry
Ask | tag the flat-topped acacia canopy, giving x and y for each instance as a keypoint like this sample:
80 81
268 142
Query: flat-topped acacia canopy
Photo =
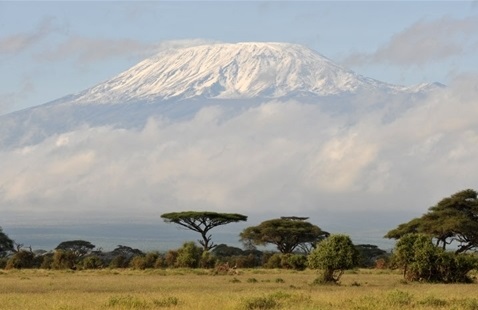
202 222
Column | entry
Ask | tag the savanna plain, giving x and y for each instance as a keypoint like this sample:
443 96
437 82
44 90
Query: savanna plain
243 289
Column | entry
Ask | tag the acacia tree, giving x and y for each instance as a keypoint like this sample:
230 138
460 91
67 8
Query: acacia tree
6 244
78 247
202 222
333 256
421 260
287 233
454 218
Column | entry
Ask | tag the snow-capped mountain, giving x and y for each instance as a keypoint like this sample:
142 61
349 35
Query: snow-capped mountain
231 71
176 83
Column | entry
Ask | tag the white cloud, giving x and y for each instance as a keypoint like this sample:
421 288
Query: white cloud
17 43
88 50
277 158
424 42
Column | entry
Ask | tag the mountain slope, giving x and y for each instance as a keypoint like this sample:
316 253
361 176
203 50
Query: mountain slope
176 83
231 71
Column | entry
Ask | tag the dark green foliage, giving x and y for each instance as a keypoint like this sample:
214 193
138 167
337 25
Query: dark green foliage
369 254
202 222
422 261
138 262
64 260
286 233
144 261
120 261
126 251
189 256
208 260
333 256
286 261
3 262
22 259
223 250
77 247
243 261
238 257
47 261
293 261
454 218
273 261
6 244
122 256
91 262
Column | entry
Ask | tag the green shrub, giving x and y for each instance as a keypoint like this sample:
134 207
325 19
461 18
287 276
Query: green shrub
3 262
63 260
189 255
421 260
274 261
138 262
150 259
21 259
333 256
208 260
293 261
170 258
160 262
120 261
91 262
47 261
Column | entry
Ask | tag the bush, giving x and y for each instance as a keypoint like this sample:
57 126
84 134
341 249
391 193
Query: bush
120 261
274 261
421 260
63 260
189 255
293 261
3 262
208 260
138 262
144 261
150 259
47 261
91 262
170 258
243 261
160 262
333 256
22 259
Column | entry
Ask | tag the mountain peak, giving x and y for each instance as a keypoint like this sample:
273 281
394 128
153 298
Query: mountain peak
228 71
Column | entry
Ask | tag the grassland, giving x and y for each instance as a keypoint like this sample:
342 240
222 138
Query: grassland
200 289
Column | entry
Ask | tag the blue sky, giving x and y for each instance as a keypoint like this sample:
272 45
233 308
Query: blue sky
51 49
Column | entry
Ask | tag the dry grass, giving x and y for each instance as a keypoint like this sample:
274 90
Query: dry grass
199 289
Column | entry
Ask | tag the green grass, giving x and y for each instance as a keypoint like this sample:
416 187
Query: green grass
200 289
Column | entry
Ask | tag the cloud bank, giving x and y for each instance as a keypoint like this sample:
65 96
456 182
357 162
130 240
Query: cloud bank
424 42
278 158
